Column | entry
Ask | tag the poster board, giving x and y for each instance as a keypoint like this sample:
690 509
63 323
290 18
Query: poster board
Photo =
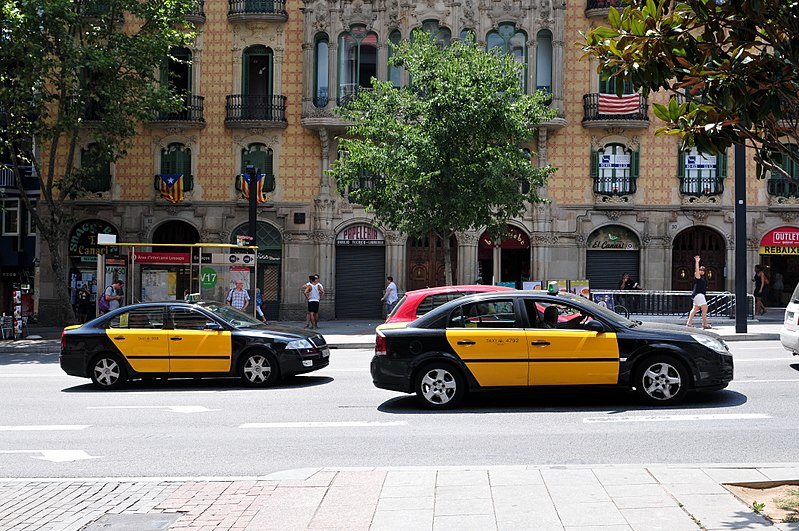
532 284
580 287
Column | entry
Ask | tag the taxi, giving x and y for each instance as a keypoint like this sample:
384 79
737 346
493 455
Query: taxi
535 338
182 339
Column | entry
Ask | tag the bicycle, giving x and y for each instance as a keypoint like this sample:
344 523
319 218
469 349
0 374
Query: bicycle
621 310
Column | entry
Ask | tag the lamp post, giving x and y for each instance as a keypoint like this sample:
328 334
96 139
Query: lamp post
252 171
741 274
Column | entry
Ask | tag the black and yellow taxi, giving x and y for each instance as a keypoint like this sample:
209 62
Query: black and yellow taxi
181 339
535 338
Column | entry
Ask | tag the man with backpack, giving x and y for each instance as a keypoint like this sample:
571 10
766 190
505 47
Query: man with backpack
112 297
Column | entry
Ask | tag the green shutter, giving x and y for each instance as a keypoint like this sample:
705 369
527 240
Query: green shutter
721 165
681 164
594 163
635 166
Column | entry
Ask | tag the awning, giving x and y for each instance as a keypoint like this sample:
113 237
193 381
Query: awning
784 240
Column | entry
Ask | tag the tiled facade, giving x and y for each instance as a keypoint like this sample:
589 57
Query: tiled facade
654 222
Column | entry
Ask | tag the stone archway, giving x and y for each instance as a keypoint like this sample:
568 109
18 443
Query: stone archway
710 246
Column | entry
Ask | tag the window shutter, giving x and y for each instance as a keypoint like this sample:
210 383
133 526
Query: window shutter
594 163
721 165
635 164
681 165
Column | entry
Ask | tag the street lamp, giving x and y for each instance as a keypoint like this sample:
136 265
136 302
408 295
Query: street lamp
252 171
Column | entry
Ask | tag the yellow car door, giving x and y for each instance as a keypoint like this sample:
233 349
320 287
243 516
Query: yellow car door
488 338
139 335
195 348
564 353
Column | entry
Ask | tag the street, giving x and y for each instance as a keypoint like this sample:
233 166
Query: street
53 425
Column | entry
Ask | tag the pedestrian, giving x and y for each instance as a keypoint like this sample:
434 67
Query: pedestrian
84 297
390 295
627 283
314 291
699 295
761 289
259 300
115 294
238 296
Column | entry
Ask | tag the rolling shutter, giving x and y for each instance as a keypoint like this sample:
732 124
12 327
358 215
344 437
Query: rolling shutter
360 281
603 269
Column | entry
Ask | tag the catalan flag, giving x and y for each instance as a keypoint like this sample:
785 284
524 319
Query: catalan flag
626 104
260 196
171 187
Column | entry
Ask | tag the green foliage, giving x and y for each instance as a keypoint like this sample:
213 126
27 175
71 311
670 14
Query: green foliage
444 153
733 62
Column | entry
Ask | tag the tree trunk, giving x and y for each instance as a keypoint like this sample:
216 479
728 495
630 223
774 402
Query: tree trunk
448 273
62 312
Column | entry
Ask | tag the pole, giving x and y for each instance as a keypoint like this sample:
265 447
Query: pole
741 273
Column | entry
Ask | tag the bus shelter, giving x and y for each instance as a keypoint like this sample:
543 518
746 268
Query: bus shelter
163 272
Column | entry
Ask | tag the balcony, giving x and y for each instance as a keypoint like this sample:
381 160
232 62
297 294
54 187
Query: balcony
245 112
605 111
8 178
96 184
702 186
781 187
600 8
196 14
615 186
257 11
189 117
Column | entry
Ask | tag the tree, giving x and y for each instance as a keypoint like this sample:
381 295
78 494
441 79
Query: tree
444 153
734 64
65 63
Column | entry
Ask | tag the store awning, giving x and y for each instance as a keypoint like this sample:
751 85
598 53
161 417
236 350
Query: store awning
784 240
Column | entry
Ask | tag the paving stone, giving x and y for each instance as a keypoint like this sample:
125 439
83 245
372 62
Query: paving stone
659 519
463 492
600 528
483 522
674 475
415 519
735 475
640 502
781 473
569 476
578 493
654 489
722 511
623 476
404 478
585 514
404 504
408 491
461 477
463 507
515 476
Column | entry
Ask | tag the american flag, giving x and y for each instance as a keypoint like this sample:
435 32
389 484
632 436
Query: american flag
612 104
260 196
171 187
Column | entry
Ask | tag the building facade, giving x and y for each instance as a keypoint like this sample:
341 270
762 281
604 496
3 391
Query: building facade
261 84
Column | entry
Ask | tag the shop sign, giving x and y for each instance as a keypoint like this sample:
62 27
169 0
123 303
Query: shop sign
784 240
613 238
208 277
514 239
160 258
83 238
360 235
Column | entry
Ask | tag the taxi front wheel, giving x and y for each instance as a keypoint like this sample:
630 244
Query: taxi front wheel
108 372
258 369
440 385
661 380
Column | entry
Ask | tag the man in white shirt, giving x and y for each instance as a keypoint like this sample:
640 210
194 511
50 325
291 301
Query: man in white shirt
313 292
390 296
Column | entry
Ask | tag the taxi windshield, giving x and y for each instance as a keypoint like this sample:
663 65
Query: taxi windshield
231 315
599 309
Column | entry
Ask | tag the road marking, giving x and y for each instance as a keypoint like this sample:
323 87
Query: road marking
174 409
668 418
56 456
46 427
766 381
761 359
343 424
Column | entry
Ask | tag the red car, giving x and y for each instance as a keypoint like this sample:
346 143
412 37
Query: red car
418 302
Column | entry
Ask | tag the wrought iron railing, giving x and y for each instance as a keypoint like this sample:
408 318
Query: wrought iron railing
96 183
615 185
240 7
602 4
781 187
240 107
192 111
8 177
197 10
679 303
592 110
701 185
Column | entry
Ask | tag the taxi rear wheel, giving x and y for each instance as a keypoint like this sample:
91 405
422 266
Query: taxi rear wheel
258 369
108 372
440 385
661 380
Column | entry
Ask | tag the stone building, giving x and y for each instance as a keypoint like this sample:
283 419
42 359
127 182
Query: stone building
261 84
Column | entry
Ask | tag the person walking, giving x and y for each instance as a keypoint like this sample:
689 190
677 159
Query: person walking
259 301
84 299
390 296
238 297
114 295
314 291
761 289
699 295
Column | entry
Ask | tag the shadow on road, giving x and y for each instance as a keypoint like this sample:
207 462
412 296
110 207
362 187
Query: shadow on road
177 385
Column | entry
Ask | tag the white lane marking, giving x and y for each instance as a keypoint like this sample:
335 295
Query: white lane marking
669 418
56 456
761 359
765 381
343 424
174 409
46 427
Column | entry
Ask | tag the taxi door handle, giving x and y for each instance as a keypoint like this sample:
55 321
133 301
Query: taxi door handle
119 338
465 342
540 343
176 339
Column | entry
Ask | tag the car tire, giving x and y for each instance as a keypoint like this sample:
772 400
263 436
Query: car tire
108 372
661 380
440 385
258 369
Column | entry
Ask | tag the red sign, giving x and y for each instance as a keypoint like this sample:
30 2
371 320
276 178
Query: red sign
516 239
781 236
160 258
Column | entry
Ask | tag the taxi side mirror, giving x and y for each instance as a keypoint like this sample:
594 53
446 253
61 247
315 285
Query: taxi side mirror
594 326
211 325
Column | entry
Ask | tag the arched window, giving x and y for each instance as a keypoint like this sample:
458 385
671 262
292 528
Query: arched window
177 71
443 35
394 72
701 174
260 157
467 35
543 61
257 71
508 40
614 169
321 74
357 61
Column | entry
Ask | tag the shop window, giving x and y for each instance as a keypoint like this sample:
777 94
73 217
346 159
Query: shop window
321 72
10 217
614 170
357 62
508 40
701 174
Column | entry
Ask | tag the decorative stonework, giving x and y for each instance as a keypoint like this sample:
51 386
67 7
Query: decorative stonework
468 238
700 216
468 14
612 199
613 215
777 200
358 12
503 10
322 236
788 216
701 200
579 239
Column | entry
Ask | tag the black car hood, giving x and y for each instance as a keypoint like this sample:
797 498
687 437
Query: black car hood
277 330
667 327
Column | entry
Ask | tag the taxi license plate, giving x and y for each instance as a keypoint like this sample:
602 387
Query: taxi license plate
788 316
325 352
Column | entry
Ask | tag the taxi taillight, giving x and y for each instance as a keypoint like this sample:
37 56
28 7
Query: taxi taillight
63 339
380 345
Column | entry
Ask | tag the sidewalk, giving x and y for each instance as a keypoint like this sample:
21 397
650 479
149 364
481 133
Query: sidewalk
547 498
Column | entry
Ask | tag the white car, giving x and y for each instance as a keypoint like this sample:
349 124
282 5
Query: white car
789 333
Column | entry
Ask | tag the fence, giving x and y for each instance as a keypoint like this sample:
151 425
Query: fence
646 302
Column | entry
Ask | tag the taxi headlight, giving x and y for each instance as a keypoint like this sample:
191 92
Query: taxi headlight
712 343
299 344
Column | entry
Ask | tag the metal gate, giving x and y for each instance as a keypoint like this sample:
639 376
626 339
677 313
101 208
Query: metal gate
604 269
360 281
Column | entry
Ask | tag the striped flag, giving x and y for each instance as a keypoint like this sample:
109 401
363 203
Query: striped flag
171 187
260 196
626 104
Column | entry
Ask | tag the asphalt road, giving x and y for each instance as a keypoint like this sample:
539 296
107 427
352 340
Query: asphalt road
53 425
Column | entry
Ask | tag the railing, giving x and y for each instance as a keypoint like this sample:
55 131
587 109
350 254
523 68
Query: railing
197 10
592 111
702 185
781 187
96 183
678 303
241 108
8 177
602 4
188 183
274 7
615 185
192 111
